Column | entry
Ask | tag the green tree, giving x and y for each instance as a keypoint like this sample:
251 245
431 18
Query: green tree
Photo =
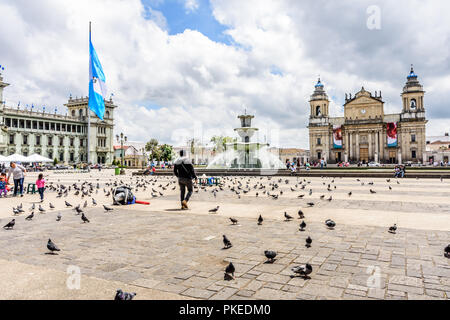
166 152
55 162
153 147
220 142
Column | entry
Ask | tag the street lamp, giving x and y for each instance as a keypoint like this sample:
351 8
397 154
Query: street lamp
122 138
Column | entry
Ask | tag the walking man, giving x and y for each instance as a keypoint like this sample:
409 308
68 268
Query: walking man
184 171
17 172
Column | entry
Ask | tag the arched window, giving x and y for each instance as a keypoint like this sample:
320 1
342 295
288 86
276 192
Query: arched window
318 113
107 114
413 103
73 113
81 112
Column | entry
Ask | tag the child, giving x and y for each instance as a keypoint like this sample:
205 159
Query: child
40 184
3 187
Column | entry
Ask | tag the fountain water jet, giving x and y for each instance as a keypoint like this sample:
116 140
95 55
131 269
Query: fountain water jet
246 154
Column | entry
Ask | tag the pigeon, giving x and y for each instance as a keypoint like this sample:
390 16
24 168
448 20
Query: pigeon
372 191
260 220
51 246
301 215
107 208
83 217
310 204
302 226
51 206
41 209
447 251
15 211
288 217
233 220
121 296
226 242
303 271
393 229
30 217
68 204
85 204
350 194
58 217
229 272
270 255
94 202
390 188
308 242
10 225
214 210
330 224
78 210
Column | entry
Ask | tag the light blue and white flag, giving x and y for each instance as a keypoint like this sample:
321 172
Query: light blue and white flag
97 85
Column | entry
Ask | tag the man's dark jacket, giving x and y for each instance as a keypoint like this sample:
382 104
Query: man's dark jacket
183 168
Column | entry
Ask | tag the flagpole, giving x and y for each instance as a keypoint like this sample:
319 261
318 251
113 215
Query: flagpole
88 109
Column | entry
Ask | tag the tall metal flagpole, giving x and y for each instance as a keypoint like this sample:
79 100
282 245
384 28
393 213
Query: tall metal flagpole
88 109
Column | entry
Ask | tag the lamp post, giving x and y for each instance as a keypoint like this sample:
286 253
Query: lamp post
144 163
121 138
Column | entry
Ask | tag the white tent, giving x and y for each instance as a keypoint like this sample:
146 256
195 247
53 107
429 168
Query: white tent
16 158
3 158
38 158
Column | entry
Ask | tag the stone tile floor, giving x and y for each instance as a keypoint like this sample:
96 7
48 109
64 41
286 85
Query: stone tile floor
181 252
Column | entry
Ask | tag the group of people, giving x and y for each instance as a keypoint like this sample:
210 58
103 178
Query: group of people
400 171
17 171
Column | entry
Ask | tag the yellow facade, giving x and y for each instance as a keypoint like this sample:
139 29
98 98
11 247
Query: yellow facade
362 131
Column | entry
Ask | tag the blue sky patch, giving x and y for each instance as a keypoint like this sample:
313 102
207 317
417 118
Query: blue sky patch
179 18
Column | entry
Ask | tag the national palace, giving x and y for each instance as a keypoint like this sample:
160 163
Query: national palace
56 136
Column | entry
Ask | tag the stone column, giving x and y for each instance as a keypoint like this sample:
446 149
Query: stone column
369 134
347 148
357 145
350 146
377 151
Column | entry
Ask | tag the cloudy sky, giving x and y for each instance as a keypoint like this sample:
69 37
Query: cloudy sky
186 68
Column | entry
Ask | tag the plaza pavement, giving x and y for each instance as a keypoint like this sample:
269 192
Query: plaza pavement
160 252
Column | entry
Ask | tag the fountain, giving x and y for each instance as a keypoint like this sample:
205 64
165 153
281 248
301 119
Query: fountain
245 154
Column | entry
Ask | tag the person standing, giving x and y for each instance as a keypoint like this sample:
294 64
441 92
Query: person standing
184 171
40 184
17 172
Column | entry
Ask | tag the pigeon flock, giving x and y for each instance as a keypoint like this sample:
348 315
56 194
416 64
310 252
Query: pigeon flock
266 186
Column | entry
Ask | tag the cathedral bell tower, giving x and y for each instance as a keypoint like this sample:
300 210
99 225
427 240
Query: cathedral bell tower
412 94
319 102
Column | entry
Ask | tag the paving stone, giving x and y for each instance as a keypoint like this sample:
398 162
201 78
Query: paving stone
273 278
246 293
146 283
271 294
237 283
403 288
254 285
198 293
224 294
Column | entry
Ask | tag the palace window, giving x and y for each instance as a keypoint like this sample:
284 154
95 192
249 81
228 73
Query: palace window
35 125
61 156
50 155
38 140
61 141
80 112
14 123
50 141
22 124
73 113
8 122
71 142
28 124
319 141
81 142
413 138
413 154
71 157
25 139
41 125
58 127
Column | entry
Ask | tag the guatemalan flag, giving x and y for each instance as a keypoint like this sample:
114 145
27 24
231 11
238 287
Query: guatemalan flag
97 85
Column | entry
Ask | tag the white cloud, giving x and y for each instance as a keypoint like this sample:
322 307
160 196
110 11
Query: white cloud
191 5
198 82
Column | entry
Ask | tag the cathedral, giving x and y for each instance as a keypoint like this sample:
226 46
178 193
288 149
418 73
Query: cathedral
365 133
